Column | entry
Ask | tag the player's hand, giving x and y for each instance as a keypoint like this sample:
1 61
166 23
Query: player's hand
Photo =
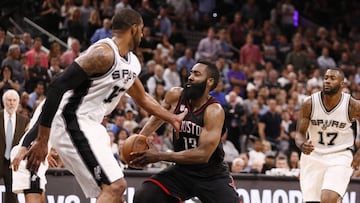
307 147
356 160
18 158
36 155
52 157
177 122
145 157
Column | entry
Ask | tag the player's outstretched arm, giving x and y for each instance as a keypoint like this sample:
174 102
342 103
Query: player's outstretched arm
169 103
301 128
137 92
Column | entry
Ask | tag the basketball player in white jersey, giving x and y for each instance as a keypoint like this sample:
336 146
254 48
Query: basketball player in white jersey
325 137
81 96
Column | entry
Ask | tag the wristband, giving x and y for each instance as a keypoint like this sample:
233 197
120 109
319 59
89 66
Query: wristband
301 146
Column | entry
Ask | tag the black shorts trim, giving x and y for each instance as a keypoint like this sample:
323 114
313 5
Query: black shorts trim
34 184
163 188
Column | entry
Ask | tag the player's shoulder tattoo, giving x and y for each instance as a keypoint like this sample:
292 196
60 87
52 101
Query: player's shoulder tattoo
97 59
354 108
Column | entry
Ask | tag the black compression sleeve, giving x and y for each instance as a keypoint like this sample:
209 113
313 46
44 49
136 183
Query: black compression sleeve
31 135
71 78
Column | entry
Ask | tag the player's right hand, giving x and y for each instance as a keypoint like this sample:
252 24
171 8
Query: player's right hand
18 158
36 155
307 147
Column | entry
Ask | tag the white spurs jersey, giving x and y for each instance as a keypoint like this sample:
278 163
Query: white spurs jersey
330 131
101 95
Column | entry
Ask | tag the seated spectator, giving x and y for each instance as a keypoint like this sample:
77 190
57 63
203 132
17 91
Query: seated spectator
256 152
219 93
250 52
93 24
325 61
237 165
54 69
75 27
37 94
27 42
165 48
36 74
186 60
171 75
269 161
12 61
70 55
208 47
36 51
104 32
230 151
7 80
155 79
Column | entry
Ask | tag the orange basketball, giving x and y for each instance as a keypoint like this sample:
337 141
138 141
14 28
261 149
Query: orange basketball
134 143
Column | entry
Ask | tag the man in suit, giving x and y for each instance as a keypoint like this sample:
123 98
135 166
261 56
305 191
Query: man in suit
12 127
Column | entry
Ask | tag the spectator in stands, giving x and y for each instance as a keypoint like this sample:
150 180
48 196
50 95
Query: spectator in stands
208 47
25 108
250 100
130 123
178 40
122 4
281 161
250 52
287 21
182 10
70 55
171 75
270 127
93 24
256 151
85 11
156 78
159 93
233 119
147 44
269 161
186 60
103 32
237 165
36 51
3 44
147 13
66 11
7 80
294 159
55 50
346 64
36 73
251 11
226 49
165 23
107 9
27 42
165 48
50 15
118 125
12 61
237 78
325 61
230 151
147 73
355 54
296 57
219 93
283 48
54 69
269 50
315 79
37 94
235 31
75 27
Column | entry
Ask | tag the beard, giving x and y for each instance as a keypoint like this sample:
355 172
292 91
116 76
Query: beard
194 91
332 91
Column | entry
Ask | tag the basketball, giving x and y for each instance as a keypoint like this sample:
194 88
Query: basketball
134 143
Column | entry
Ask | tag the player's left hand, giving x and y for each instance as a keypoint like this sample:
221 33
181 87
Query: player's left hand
145 157
177 122
356 160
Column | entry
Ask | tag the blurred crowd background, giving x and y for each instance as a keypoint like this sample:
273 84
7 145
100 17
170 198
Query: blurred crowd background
271 55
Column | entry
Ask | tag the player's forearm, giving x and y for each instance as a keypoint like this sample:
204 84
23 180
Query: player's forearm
192 156
300 138
151 126
153 107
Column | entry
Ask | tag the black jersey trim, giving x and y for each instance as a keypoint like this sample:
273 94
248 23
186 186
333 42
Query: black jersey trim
333 109
77 135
